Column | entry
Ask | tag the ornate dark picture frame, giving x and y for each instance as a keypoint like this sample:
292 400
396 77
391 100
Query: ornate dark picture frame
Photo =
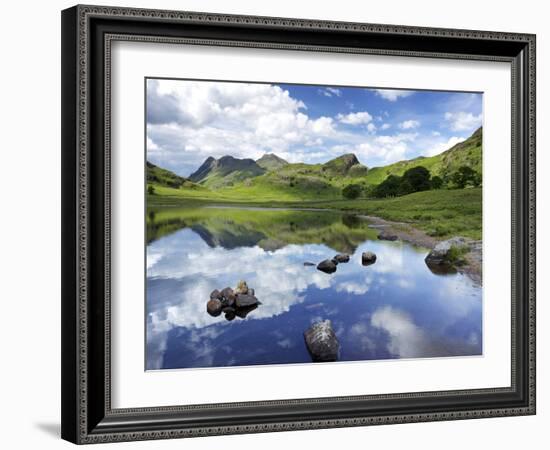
87 34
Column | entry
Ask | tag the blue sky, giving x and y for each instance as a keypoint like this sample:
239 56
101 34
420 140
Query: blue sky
187 121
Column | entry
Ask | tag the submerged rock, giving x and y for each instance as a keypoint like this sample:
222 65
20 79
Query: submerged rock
368 258
307 263
214 307
327 266
341 258
321 342
386 236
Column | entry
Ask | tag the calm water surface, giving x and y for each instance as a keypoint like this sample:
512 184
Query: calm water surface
395 308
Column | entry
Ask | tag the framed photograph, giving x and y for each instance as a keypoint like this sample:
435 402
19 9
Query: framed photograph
281 224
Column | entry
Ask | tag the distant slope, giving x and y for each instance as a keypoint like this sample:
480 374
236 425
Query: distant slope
466 153
163 177
343 166
225 172
230 178
271 161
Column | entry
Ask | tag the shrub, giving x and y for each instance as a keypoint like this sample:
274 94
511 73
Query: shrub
465 176
151 190
388 188
455 255
418 178
351 191
436 182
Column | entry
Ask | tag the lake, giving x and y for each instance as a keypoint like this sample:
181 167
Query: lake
394 308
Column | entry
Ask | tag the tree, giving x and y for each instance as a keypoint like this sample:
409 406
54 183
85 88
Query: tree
151 189
388 188
405 187
351 191
436 182
418 178
465 175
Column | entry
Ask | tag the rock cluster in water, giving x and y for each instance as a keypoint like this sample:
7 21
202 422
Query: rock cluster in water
329 265
321 342
232 303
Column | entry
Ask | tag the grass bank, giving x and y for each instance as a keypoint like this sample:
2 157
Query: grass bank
439 213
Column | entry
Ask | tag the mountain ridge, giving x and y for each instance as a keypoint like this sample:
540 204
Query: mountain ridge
271 161
243 178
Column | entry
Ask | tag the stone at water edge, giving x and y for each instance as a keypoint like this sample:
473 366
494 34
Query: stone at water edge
215 294
321 342
214 307
440 253
386 236
341 258
327 266
368 258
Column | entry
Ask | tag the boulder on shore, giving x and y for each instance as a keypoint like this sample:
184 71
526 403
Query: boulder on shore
341 258
321 342
215 294
368 258
214 307
441 253
327 266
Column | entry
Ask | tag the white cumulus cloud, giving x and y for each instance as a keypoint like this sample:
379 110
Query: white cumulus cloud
188 121
409 124
442 146
330 92
393 94
463 121
357 118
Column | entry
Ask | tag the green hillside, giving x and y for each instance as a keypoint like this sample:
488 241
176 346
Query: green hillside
466 153
158 176
271 178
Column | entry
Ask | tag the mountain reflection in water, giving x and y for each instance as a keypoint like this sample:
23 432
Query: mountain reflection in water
395 308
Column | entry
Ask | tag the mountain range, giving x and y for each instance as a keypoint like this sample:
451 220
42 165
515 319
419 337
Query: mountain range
272 176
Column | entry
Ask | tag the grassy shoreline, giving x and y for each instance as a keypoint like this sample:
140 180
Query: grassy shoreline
439 213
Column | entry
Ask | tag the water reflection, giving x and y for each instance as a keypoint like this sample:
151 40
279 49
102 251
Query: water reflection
395 308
